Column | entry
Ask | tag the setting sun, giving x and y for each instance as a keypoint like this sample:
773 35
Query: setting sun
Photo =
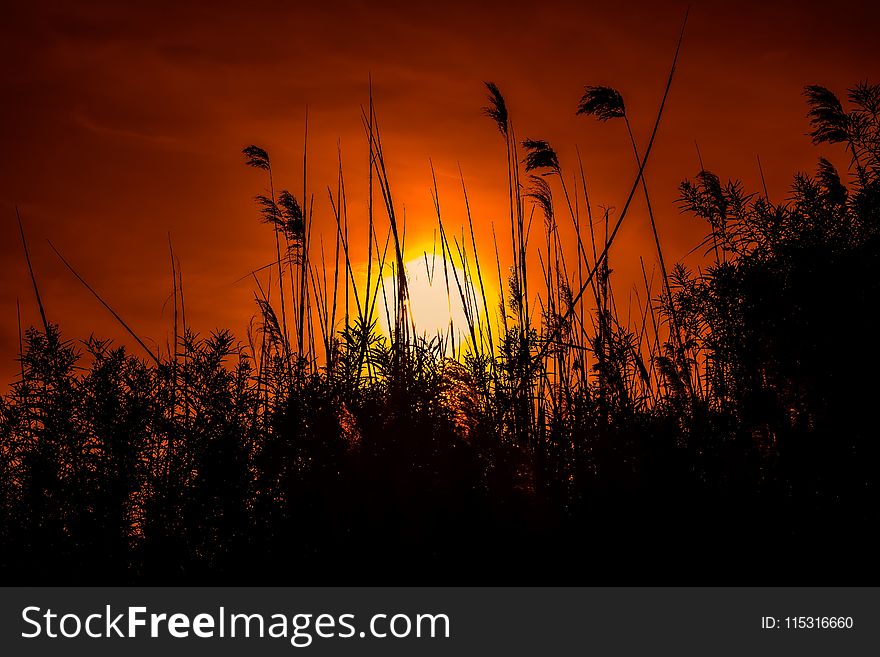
435 298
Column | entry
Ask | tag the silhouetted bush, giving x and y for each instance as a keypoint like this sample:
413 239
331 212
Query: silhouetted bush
732 434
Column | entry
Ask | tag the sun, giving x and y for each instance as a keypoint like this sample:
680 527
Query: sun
435 305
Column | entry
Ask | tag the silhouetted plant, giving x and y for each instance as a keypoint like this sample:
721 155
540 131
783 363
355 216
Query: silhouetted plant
579 440
604 103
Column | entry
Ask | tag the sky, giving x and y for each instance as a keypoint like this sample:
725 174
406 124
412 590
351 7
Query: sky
123 123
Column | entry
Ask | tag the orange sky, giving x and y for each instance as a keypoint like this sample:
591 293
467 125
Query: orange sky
119 124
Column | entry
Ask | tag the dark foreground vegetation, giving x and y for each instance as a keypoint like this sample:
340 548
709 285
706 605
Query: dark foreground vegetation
724 433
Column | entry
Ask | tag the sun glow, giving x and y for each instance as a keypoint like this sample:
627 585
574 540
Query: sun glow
435 289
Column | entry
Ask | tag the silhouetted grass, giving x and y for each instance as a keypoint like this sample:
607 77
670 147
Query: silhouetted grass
724 428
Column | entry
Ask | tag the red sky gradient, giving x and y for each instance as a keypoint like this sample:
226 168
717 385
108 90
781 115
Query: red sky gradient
120 123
